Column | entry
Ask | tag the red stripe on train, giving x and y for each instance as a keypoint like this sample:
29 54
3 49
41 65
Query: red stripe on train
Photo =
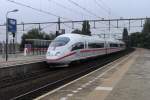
99 49
67 55
72 53
89 50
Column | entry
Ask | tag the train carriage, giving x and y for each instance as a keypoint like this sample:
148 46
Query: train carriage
67 48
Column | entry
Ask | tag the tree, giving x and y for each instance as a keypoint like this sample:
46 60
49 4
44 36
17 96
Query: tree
77 31
34 34
125 37
135 39
86 28
146 34
52 35
146 28
142 39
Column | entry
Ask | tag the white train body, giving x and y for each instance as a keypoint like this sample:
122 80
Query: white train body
72 47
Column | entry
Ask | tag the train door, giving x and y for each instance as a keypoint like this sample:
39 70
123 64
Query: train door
106 47
83 53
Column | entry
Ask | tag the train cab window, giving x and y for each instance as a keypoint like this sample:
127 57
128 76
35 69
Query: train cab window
78 46
60 41
96 45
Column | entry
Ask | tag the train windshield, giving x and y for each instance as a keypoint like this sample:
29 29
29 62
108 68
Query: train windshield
60 41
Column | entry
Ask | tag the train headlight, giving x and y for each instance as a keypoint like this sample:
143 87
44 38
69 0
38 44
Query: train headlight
57 53
48 54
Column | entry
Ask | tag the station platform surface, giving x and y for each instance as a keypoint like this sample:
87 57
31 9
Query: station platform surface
127 78
20 60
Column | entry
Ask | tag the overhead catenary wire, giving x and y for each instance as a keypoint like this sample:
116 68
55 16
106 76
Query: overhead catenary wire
99 5
21 4
36 9
46 12
106 7
67 8
85 9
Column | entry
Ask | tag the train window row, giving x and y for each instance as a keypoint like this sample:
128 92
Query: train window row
116 45
96 45
80 45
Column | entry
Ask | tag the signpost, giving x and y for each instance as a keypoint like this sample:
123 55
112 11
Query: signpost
11 26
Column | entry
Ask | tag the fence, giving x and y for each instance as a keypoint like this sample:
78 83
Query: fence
12 48
36 46
1 48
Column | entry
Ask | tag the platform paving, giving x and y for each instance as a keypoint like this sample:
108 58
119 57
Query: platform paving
125 79
20 59
135 85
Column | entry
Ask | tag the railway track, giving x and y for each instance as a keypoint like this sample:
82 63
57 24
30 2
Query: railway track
41 82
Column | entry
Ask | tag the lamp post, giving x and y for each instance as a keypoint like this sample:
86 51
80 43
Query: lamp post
15 10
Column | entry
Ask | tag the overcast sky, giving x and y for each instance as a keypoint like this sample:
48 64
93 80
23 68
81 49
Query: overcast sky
101 8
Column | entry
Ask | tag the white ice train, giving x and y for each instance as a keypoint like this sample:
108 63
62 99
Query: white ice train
67 48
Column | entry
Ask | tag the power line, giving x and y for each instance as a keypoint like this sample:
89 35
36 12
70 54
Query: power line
88 11
97 3
67 8
104 4
36 9
108 8
39 10
85 9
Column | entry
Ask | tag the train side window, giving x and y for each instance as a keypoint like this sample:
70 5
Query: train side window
91 45
114 45
96 45
78 46
100 45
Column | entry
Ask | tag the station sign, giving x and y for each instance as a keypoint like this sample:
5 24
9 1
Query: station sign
12 25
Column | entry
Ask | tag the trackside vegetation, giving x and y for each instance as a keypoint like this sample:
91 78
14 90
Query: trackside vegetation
141 39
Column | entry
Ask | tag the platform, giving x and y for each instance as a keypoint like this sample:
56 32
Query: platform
20 60
127 78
